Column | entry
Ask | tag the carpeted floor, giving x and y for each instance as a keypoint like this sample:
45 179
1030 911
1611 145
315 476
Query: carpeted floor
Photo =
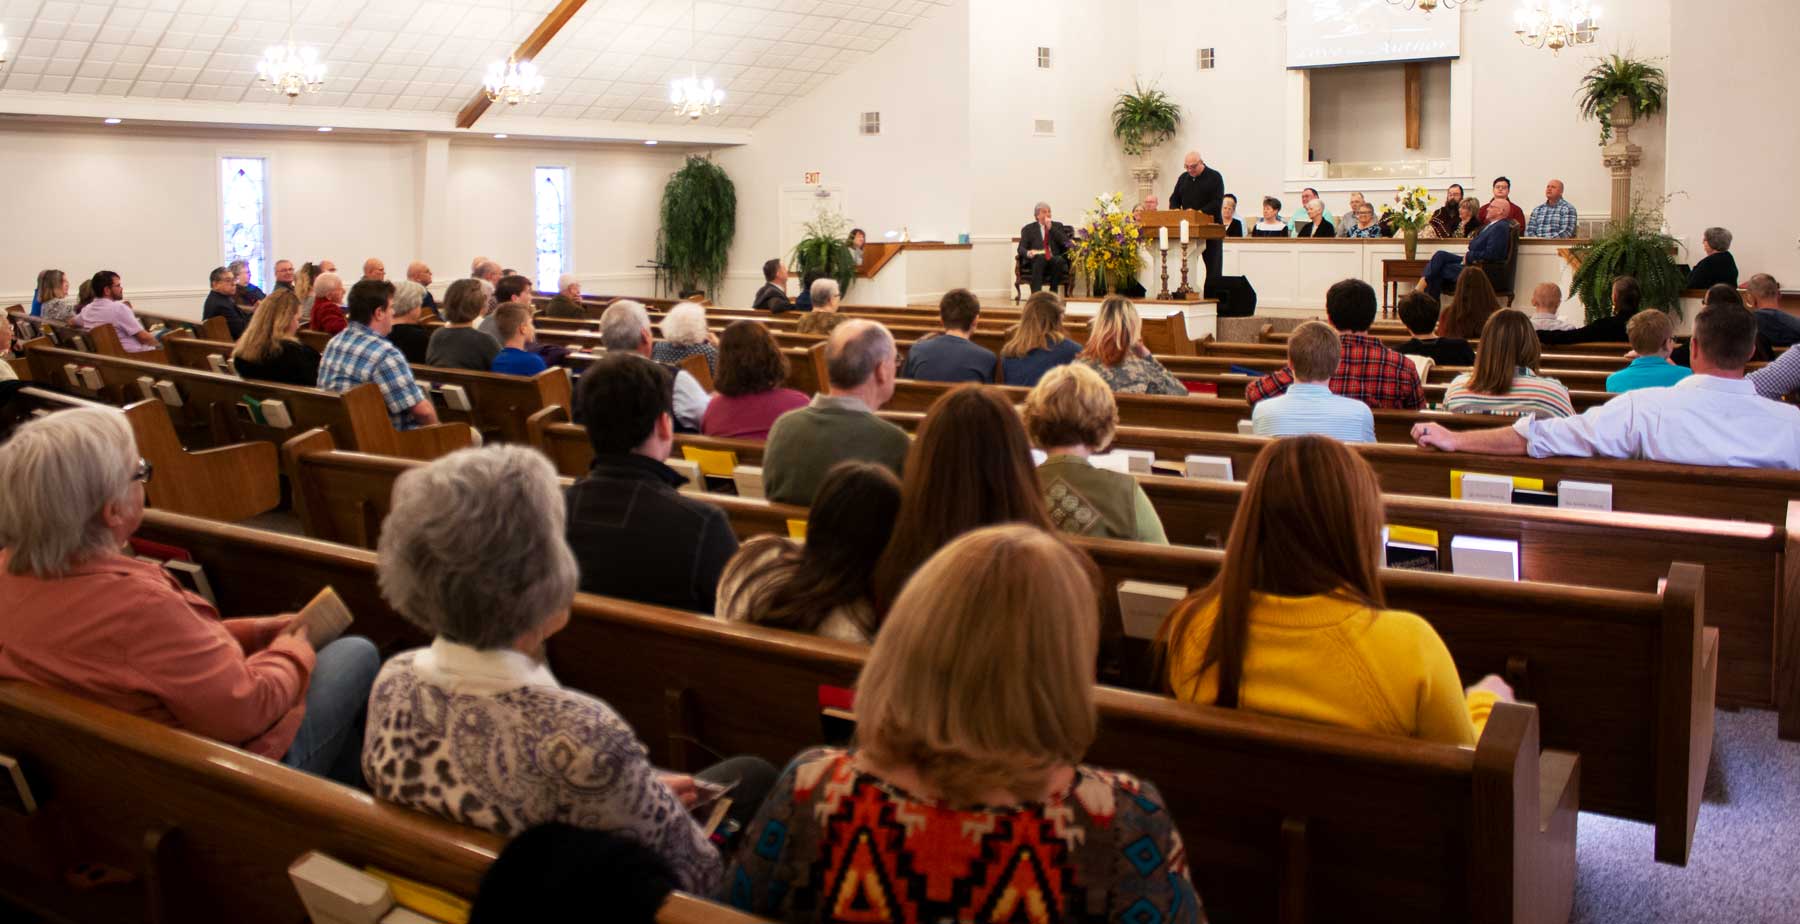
1745 865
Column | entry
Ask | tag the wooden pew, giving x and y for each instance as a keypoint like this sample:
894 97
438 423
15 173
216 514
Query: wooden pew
209 413
214 328
1593 694
1433 832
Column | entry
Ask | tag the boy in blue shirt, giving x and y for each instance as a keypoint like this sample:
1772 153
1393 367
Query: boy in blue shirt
1653 339
514 322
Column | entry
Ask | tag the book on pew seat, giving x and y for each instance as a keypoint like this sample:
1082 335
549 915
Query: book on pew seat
1208 468
338 893
749 481
1410 548
1143 605
1584 495
1476 556
193 577
688 470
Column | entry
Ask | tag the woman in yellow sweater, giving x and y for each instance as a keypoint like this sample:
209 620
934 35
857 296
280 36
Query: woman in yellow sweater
1295 624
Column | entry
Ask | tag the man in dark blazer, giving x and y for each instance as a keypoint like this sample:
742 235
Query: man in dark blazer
1044 248
773 295
1201 187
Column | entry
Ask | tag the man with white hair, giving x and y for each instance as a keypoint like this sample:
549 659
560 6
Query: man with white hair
1044 248
567 302
1201 187
625 327
1718 266
328 304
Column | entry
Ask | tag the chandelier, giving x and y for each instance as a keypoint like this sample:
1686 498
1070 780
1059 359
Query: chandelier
1556 24
288 70
1429 5
692 97
514 82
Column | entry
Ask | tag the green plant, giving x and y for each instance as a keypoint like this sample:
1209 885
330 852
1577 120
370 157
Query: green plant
1642 84
1411 209
1144 118
825 250
1635 247
1106 244
699 219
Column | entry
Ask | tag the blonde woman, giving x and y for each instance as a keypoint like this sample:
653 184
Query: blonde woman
1071 415
51 301
1505 379
303 281
685 334
269 351
973 714
1038 344
1116 350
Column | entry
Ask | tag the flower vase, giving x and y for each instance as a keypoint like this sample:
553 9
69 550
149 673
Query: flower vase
1411 239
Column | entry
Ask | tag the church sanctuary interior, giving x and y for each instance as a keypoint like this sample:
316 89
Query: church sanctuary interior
858 461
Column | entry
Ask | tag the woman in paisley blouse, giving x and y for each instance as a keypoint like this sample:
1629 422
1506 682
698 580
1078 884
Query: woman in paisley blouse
474 727
965 798
1115 349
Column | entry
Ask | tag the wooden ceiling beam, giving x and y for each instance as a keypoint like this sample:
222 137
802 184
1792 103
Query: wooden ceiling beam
534 43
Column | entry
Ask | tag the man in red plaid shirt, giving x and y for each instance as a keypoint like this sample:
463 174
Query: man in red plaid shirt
1370 371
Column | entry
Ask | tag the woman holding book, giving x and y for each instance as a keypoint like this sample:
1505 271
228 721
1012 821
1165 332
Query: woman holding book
87 618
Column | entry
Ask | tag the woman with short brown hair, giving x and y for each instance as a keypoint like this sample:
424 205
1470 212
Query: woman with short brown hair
1071 415
750 387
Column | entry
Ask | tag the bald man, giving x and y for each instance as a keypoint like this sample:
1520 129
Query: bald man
418 272
1555 218
1201 187
374 269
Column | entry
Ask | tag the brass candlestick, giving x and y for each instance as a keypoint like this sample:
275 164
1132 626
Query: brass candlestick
1164 294
1185 289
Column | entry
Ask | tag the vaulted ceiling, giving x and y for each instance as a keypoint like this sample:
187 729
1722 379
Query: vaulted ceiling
612 62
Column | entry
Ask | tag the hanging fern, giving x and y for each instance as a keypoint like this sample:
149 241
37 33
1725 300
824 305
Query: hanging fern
1641 83
699 219
1636 247
825 250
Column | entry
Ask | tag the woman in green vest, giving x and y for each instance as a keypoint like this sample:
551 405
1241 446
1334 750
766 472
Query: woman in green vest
1071 415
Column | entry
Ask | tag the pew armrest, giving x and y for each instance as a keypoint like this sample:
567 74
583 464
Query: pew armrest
233 482
433 441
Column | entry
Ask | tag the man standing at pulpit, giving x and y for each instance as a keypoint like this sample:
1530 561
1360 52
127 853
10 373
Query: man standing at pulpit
1044 249
1201 187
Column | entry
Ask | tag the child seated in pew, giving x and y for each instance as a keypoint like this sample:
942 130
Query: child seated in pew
1295 625
973 714
822 586
514 323
1419 312
1071 415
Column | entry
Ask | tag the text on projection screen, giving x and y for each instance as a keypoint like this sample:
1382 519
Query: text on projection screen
1322 33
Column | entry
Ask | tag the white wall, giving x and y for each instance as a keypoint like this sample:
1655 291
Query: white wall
1359 113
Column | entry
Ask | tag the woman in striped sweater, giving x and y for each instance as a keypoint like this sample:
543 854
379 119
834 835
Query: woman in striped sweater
1505 379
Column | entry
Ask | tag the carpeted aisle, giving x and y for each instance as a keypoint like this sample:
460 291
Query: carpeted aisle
1745 865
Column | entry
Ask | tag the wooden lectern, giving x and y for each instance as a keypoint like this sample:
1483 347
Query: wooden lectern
1201 227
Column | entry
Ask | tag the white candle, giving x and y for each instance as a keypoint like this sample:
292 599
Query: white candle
1162 238
1184 237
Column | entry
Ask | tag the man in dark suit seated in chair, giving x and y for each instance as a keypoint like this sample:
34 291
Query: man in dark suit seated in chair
1044 249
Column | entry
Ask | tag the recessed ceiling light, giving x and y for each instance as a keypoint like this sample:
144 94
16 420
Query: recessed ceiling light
114 121
651 141
324 128
500 135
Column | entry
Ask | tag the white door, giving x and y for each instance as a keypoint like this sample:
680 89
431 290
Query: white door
801 204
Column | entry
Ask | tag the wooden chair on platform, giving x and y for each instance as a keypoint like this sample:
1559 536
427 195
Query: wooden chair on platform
1022 280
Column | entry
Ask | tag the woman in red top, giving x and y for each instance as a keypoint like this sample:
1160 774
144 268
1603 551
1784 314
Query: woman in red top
749 385
86 618
328 304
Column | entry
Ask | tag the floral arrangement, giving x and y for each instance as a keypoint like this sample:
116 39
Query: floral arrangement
1106 245
1411 210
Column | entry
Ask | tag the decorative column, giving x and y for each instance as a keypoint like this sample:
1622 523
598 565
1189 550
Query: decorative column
1620 155
1145 173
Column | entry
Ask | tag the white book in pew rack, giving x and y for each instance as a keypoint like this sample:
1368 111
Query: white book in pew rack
749 481
1490 489
1144 604
1208 468
338 893
690 471
1246 428
1112 462
1140 460
1475 556
1584 495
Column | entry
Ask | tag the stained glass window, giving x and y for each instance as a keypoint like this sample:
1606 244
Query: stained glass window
245 206
552 200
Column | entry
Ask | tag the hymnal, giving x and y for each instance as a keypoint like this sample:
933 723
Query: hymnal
455 397
1246 428
1209 468
1584 495
323 618
1112 462
193 577
1489 558
1534 498
1140 460
337 893
690 472
1492 489
749 481
1143 605
1410 548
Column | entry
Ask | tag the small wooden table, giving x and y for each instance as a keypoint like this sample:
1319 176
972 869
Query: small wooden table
1393 273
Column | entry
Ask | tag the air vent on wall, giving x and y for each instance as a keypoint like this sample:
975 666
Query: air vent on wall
1045 127
1203 59
871 123
1043 58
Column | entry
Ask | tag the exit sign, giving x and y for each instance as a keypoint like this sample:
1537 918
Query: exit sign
810 178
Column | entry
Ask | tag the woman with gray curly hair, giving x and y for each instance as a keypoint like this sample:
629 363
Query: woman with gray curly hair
474 727
685 334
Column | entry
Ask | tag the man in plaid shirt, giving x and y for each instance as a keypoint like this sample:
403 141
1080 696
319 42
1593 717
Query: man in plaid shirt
361 353
1555 218
1369 371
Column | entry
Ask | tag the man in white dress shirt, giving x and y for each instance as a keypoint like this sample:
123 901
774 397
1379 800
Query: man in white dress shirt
1713 417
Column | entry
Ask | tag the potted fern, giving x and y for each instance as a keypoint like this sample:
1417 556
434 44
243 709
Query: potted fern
1619 90
1635 247
825 250
699 219
1144 118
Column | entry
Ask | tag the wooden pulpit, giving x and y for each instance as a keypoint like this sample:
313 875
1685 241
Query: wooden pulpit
1201 227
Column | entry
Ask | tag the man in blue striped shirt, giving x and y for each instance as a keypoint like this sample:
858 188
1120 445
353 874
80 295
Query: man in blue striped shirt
1308 405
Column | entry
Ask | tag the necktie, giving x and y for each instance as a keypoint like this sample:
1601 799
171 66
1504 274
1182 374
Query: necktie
1046 235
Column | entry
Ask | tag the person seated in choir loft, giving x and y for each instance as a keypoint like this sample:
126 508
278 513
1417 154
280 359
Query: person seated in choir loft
1489 245
514 323
108 307
474 727
1308 406
824 316
1115 349
1044 249
1316 224
410 333
270 351
1038 343
1546 301
1505 379
773 295
1234 227
1366 226
823 586
1718 265
567 301
635 535
685 334
87 618
625 327
1556 218
1652 339
951 356
1779 325
840 423
458 344
1308 196
1368 371
1448 216
1501 206
222 302
1071 415
1420 313
1296 624
1271 224
1713 417
974 712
